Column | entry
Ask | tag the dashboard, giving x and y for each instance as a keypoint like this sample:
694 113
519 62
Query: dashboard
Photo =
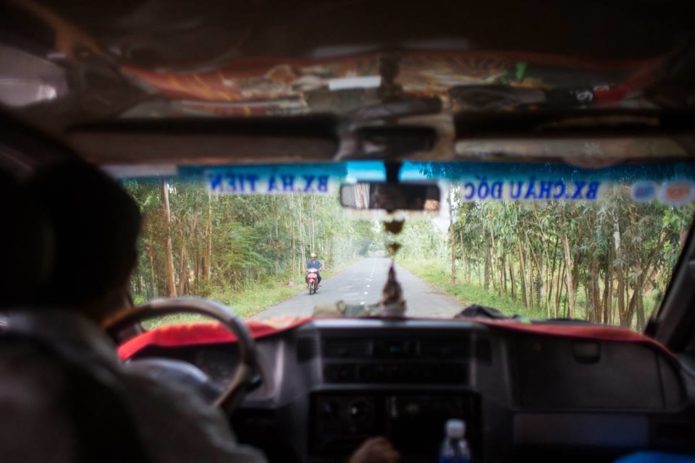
330 384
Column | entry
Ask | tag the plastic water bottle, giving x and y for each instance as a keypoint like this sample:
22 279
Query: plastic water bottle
455 448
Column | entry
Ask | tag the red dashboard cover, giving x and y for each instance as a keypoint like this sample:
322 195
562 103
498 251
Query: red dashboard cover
577 331
192 334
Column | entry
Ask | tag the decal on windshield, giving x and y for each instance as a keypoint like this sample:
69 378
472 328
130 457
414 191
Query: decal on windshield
677 193
265 181
530 190
644 191
672 184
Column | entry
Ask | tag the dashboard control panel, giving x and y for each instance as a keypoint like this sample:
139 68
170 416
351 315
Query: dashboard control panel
413 421
425 373
396 359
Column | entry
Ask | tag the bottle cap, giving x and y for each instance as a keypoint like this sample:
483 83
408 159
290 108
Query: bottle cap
455 429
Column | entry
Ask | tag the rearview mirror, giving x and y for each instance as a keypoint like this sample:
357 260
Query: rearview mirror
390 197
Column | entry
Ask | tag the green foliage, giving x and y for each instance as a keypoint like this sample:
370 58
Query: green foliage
246 251
435 272
619 257
607 261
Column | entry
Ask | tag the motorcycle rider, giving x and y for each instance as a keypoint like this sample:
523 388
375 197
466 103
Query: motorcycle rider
314 263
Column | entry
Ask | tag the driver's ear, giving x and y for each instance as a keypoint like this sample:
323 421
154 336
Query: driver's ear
116 315
116 304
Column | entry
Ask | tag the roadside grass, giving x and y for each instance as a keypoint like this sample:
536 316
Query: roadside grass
175 319
255 298
438 275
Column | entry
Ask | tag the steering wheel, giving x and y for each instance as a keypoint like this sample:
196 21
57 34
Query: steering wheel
245 376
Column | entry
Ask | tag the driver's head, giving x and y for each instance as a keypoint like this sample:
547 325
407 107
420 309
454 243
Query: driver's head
94 225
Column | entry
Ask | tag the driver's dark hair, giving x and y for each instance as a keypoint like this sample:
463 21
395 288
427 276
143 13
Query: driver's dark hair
94 225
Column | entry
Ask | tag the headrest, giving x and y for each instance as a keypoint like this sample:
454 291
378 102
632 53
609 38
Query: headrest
25 246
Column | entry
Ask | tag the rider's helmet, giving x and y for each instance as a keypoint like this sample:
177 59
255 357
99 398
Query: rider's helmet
313 255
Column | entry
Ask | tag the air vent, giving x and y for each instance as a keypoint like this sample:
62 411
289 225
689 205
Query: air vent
451 348
483 350
347 348
306 349
391 373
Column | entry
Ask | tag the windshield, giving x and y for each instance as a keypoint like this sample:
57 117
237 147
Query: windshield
542 241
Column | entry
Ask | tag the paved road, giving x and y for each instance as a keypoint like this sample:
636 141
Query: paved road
362 283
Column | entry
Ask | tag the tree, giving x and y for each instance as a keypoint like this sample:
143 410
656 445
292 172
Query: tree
166 211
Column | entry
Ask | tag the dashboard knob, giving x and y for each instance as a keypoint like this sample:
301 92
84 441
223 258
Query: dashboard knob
358 409
329 409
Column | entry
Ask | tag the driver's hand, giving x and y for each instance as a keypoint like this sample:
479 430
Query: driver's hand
375 450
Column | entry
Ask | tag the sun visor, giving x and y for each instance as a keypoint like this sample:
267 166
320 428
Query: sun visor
27 79
195 141
585 139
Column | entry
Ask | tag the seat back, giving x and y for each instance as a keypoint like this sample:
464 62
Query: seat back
103 426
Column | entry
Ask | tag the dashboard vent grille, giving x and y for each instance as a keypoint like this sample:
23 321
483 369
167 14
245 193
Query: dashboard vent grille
483 350
347 348
306 349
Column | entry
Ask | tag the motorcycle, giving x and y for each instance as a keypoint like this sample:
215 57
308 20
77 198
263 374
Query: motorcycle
312 280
